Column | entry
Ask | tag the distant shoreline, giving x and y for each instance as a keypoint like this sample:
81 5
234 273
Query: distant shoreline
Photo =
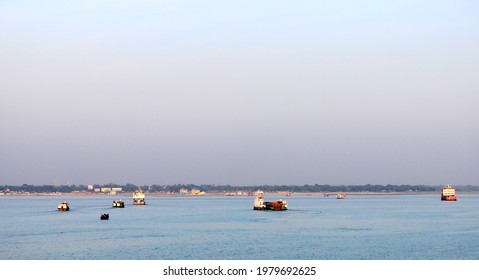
221 194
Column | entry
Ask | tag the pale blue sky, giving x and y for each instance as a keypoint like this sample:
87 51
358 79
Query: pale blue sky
239 92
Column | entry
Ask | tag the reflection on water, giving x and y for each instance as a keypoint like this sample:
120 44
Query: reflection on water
315 227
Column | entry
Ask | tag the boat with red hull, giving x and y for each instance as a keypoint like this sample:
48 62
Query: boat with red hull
448 193
260 204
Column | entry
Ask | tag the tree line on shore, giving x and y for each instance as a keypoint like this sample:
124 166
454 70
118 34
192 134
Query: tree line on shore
228 188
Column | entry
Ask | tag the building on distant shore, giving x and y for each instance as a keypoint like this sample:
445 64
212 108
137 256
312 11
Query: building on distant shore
109 190
197 192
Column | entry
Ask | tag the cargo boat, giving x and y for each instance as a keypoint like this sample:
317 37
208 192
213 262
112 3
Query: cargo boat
139 197
448 193
63 206
260 204
118 204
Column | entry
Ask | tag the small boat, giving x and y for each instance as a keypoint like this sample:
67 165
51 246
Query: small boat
260 204
286 193
104 216
63 206
139 197
118 204
340 196
448 193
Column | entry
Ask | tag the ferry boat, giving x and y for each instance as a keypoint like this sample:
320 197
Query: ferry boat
448 193
104 216
260 204
63 206
340 196
139 197
118 204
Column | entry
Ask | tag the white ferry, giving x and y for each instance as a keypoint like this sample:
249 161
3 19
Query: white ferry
139 197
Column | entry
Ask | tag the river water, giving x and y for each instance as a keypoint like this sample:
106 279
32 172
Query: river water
371 227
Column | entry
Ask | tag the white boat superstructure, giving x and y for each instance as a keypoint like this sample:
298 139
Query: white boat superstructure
259 200
139 197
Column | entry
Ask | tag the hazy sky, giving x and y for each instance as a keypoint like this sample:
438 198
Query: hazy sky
239 92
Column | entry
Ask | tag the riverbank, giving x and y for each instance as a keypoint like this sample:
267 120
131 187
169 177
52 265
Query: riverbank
220 194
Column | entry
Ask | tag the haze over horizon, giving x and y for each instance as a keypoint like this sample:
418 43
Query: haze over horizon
239 93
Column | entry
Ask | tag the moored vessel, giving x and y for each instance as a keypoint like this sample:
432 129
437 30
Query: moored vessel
104 216
260 204
139 197
118 204
63 206
340 196
448 193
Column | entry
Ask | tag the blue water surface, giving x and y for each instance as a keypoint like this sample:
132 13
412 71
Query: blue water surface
360 227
